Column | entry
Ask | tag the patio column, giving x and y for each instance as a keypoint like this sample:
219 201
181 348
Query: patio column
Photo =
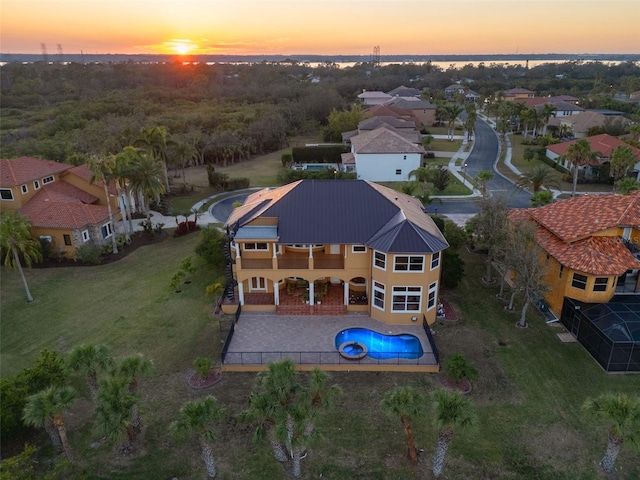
276 293
311 267
346 293
312 299
274 259
238 257
241 293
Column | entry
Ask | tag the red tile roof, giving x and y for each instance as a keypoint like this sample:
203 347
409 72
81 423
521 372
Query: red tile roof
83 172
568 230
18 171
603 145
61 205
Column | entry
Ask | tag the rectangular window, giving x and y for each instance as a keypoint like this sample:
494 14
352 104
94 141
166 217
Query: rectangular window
67 239
6 194
85 235
380 260
398 171
257 283
253 246
106 230
560 272
24 188
406 299
36 184
48 179
579 281
358 248
435 260
432 294
378 295
601 284
408 263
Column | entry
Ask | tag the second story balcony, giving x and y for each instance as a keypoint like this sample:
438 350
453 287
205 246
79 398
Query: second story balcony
295 261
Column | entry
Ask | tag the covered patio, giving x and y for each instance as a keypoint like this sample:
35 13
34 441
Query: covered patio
258 339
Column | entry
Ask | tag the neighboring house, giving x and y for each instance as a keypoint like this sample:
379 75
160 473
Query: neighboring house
603 145
347 245
452 91
580 124
382 121
515 94
374 98
403 91
386 155
564 108
64 208
591 246
423 110
471 96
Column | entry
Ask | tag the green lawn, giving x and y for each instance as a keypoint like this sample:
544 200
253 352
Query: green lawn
444 145
528 394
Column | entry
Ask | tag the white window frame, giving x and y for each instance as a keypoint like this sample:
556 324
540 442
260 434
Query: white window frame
354 249
258 284
576 282
3 190
109 229
432 296
435 259
24 188
36 185
378 293
398 171
405 292
383 260
48 179
408 263
247 248
85 236
597 287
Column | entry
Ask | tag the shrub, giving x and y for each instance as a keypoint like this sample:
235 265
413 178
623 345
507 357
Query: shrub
320 154
89 253
439 222
455 235
452 269
286 159
203 366
211 247
185 227
458 368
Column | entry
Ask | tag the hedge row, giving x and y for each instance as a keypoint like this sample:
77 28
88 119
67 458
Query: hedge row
289 176
320 154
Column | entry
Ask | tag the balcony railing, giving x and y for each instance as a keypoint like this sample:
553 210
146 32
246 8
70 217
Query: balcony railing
295 261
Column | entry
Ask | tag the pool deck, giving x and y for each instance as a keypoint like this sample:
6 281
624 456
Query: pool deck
309 341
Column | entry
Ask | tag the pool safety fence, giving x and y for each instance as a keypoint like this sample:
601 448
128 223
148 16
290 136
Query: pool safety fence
232 330
323 358
432 342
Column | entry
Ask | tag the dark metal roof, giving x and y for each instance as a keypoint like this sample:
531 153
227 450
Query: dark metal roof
345 212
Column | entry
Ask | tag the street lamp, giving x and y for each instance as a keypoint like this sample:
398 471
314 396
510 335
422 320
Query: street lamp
464 171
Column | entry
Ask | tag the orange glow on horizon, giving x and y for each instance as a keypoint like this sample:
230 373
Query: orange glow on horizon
180 46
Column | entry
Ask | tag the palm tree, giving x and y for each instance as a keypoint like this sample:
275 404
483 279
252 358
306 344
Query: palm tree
102 170
153 140
199 417
452 411
49 407
548 111
451 113
16 241
622 160
146 180
427 199
408 187
183 154
578 154
263 411
427 140
421 175
133 367
114 407
122 170
482 179
624 412
90 360
537 177
408 404
322 394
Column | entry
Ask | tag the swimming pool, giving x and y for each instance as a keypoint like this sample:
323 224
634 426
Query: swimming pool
380 346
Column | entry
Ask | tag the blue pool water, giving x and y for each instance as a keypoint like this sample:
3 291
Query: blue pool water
380 346
316 168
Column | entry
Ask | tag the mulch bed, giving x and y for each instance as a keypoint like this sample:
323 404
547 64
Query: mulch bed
463 386
449 313
195 381
138 239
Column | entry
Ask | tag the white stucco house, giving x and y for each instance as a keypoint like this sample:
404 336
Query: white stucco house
374 98
384 155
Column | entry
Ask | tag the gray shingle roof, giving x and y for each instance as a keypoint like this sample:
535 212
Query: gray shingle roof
344 212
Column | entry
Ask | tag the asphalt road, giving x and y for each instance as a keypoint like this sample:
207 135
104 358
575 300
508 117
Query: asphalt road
482 157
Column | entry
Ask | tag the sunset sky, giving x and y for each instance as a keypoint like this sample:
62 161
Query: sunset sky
330 27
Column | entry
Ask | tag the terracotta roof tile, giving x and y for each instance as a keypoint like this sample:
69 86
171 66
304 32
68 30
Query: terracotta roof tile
18 171
83 172
603 145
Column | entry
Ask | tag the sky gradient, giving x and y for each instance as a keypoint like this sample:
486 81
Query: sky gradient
322 27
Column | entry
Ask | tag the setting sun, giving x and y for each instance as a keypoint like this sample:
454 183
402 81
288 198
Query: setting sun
181 47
